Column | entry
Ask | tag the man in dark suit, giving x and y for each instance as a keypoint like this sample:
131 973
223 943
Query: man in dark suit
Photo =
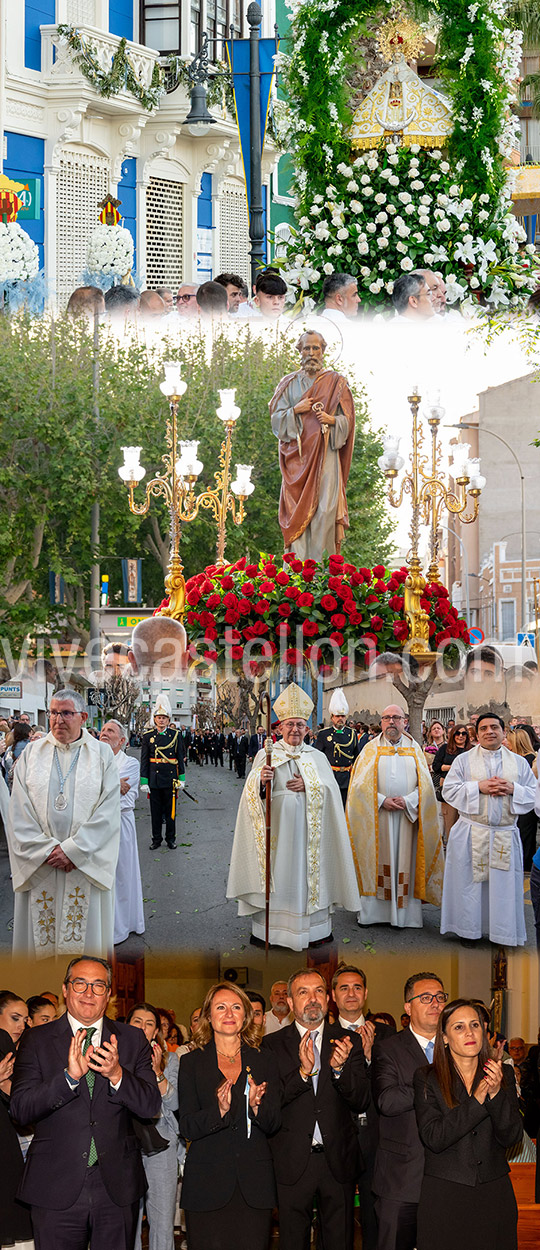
80 1079
349 987
399 1162
324 1085
256 742
232 746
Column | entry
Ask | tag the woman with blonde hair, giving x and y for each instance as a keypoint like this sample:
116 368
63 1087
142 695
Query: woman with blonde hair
519 741
229 1103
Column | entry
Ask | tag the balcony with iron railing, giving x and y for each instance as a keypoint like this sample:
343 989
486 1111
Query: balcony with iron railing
66 70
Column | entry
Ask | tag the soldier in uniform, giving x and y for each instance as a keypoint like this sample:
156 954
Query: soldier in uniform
339 743
162 771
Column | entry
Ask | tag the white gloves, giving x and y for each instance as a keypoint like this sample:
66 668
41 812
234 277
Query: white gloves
145 790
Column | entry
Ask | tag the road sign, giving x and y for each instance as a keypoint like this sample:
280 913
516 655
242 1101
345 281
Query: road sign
11 690
476 634
129 622
523 638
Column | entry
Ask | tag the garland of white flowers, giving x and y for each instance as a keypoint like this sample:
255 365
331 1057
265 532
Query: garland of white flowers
395 208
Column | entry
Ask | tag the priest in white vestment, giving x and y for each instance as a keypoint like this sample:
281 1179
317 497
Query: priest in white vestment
312 869
63 838
128 895
483 881
394 828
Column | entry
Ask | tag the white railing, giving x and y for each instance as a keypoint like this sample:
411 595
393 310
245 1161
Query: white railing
58 62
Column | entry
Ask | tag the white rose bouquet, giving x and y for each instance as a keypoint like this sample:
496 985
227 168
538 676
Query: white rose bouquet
19 256
110 251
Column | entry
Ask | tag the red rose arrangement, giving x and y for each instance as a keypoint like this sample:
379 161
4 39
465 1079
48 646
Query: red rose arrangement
303 612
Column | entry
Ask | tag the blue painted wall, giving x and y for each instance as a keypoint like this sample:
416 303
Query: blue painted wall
121 18
25 159
127 193
36 13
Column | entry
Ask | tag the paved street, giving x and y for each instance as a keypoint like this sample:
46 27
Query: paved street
184 890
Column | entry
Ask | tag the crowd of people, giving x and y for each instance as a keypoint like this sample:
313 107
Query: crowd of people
417 296
362 817
261 1114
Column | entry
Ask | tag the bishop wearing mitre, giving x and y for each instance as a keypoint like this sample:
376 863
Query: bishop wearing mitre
312 870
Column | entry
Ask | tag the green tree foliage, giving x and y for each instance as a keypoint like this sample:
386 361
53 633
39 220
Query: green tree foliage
57 451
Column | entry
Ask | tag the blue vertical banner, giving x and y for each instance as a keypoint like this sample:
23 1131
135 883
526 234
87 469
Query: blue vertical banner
238 54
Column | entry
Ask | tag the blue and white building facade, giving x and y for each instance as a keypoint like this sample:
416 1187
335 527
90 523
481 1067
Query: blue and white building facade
183 198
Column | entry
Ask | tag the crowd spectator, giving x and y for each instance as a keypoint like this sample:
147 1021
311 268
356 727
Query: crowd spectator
411 297
234 286
269 299
186 300
122 303
15 1222
167 297
435 737
458 741
519 741
152 306
160 1165
40 1011
86 301
20 740
212 300
341 298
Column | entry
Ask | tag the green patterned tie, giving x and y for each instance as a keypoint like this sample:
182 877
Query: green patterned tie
90 1081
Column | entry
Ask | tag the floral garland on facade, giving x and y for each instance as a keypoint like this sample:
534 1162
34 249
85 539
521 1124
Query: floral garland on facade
474 238
110 251
19 255
306 614
121 76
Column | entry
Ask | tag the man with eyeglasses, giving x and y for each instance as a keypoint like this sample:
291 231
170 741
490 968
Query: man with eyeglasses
186 300
79 1080
312 869
393 823
399 1161
64 837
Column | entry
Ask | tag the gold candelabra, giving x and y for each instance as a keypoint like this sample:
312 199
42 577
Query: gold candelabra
430 495
177 484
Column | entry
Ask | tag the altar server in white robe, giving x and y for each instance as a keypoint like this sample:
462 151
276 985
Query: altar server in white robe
128 895
63 838
393 822
311 857
483 881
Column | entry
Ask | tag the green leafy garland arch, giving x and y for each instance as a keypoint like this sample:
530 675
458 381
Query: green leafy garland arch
478 58
121 76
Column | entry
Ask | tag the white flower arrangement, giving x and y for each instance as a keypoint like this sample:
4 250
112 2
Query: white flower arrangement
110 251
19 256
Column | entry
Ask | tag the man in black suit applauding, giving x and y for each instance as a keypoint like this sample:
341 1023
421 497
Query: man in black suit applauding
80 1079
399 1162
349 987
324 1086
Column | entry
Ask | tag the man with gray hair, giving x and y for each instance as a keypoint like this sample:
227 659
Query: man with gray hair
341 299
411 297
128 897
63 837
157 648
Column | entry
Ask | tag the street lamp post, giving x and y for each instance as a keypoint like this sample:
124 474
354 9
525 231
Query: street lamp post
177 484
468 425
429 495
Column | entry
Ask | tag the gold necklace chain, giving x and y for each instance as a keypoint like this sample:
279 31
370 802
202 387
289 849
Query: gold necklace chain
228 1057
